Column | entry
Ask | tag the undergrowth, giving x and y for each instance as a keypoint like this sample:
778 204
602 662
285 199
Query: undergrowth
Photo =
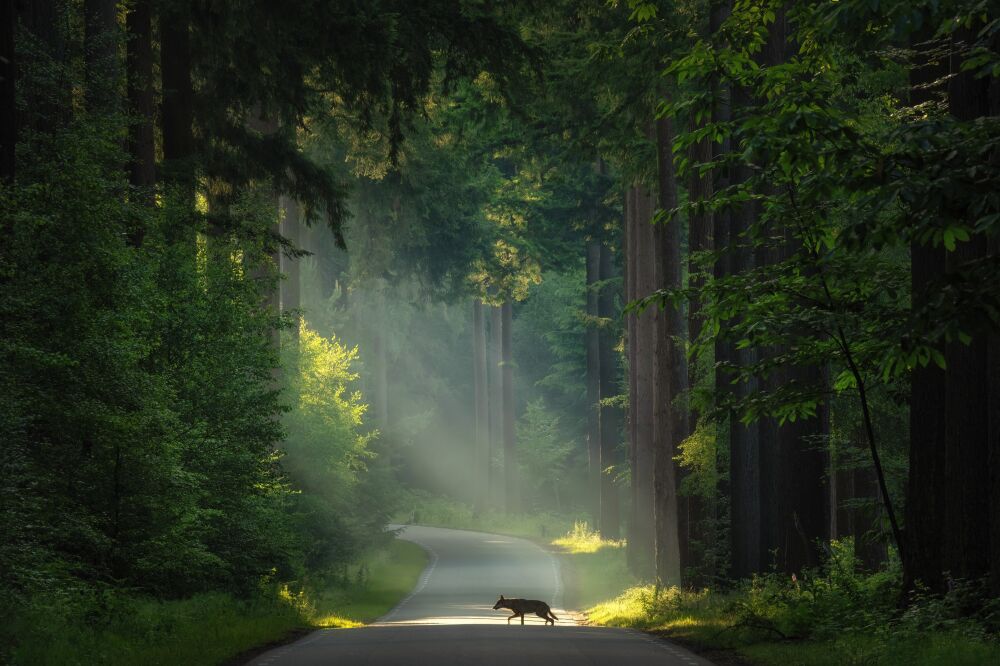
832 615
90 625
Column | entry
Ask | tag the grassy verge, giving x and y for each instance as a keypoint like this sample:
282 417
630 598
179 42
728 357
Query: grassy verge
830 617
720 622
118 629
593 569
384 581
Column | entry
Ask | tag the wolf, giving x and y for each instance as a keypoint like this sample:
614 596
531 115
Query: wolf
522 606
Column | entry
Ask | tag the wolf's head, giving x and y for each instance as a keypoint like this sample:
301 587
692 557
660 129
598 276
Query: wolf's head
501 603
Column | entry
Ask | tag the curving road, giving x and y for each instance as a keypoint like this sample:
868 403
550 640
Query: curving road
448 619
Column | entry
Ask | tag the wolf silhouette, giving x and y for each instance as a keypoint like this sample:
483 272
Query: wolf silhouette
521 606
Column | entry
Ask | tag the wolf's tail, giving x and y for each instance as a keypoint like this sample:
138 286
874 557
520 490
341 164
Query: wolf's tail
552 615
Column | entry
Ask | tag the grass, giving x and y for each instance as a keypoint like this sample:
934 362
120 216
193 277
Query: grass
205 629
390 577
714 621
594 568
119 629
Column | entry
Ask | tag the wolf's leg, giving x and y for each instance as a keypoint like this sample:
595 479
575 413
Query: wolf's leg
522 619
511 618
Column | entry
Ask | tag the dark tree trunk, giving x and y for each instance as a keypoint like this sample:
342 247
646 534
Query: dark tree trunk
646 326
139 67
993 368
748 556
509 441
924 512
725 351
967 514
594 465
8 75
699 239
611 416
177 112
796 465
481 434
670 372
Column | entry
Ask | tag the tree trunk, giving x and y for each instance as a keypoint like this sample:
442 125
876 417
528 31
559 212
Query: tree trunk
744 440
177 111
793 470
509 441
967 513
8 107
139 67
646 326
924 511
670 374
993 369
724 350
481 434
594 463
699 240
611 416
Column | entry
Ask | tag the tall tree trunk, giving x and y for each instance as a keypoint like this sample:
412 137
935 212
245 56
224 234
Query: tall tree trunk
177 111
481 435
793 470
611 416
968 382
924 512
594 463
993 369
670 374
748 556
496 399
509 440
8 107
724 350
102 68
699 240
139 68
646 326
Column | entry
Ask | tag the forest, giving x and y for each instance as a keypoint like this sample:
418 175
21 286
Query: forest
716 280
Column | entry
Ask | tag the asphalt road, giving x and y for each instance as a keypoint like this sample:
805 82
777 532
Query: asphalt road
448 619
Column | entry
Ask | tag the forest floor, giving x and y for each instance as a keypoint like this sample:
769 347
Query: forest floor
122 629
